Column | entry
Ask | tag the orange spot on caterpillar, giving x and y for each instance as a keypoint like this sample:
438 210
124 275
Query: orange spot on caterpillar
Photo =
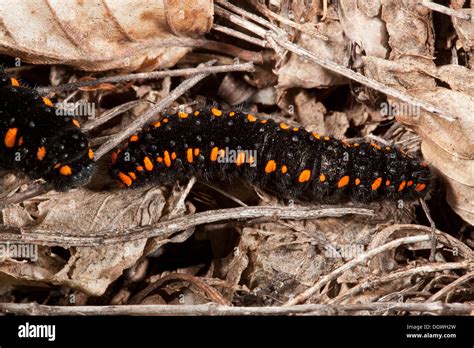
140 168
322 177
327 138
134 138
295 129
356 145
375 146
57 166
231 114
409 183
284 169
165 120
90 153
214 153
304 176
132 175
10 137
76 123
357 181
240 158
387 183
343 181
14 82
47 101
182 115
284 126
196 151
196 113
125 179
216 112
316 135
41 153
420 187
402 185
167 159
251 118
148 163
173 155
189 155
270 167
376 184
159 159
20 141
263 121
157 124
114 157
65 170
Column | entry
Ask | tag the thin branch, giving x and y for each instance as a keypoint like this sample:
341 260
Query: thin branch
166 228
438 308
425 269
433 229
246 15
212 293
446 10
277 36
307 28
154 75
354 262
240 35
444 291
110 114
374 84
153 112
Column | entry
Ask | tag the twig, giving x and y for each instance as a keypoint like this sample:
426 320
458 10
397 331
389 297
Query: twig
444 291
276 35
374 84
305 28
33 191
431 268
433 229
446 10
154 75
256 29
439 308
225 194
212 293
240 35
166 228
110 114
357 261
153 112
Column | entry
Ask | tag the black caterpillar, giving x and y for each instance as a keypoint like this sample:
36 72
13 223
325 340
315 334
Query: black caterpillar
291 162
37 141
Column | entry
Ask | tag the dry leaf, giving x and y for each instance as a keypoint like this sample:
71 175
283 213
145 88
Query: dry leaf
90 269
367 31
101 35
449 146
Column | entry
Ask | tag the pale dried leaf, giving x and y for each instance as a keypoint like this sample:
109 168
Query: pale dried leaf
368 32
100 34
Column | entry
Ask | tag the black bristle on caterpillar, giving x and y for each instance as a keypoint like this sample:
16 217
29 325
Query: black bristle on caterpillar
291 162
36 140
